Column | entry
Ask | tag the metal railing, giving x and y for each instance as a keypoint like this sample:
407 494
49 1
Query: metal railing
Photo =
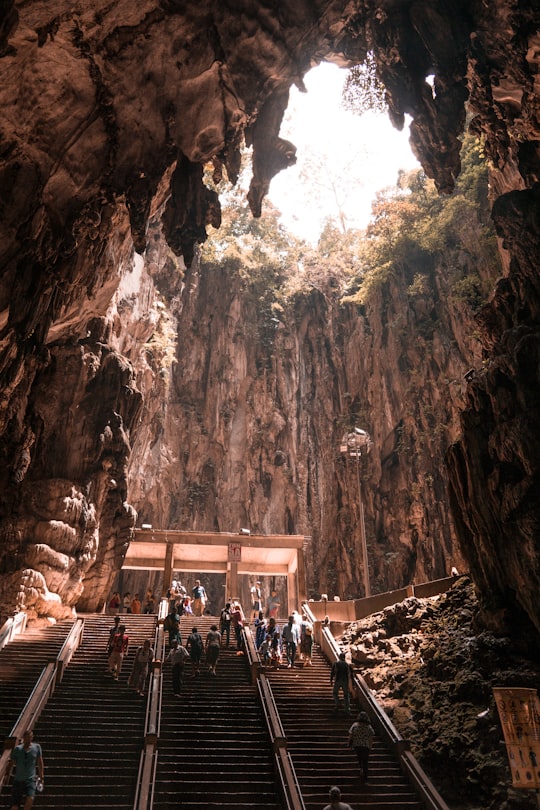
286 775
12 627
146 777
50 676
424 788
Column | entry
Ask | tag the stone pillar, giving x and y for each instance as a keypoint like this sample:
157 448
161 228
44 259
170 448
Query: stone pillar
231 581
292 593
301 576
169 566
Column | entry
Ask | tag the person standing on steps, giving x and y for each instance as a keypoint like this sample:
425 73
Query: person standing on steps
195 648
225 623
212 648
149 602
199 598
112 632
127 602
260 630
340 674
273 605
28 761
256 600
335 800
171 625
291 637
178 656
238 625
120 644
361 736
306 643
114 603
139 672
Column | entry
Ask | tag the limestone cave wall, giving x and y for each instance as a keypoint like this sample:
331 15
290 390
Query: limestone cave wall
108 114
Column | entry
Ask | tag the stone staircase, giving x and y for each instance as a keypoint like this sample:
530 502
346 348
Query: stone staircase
21 664
91 730
214 750
317 742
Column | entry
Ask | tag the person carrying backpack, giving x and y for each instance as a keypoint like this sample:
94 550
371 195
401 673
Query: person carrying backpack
178 656
195 648
340 675
171 625
120 644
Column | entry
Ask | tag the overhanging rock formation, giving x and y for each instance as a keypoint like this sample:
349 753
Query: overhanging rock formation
109 113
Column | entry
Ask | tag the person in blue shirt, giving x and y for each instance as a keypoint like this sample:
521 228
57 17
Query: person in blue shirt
199 598
28 762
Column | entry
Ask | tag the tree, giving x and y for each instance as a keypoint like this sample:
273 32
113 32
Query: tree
363 90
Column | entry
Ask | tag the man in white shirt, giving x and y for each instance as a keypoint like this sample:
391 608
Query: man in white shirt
256 600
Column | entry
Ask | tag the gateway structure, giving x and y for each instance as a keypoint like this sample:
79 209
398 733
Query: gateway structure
222 553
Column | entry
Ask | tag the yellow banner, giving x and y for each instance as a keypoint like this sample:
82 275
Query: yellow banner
519 712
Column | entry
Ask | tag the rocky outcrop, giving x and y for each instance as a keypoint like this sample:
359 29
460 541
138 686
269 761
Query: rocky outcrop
109 113
432 665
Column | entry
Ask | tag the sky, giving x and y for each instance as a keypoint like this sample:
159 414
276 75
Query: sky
366 149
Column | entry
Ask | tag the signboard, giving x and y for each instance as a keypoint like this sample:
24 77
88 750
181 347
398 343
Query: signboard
519 712
235 552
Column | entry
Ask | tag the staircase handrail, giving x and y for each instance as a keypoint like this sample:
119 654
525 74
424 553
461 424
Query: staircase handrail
146 777
146 780
12 627
69 648
251 652
29 715
163 609
290 789
159 641
422 783
289 783
378 717
273 720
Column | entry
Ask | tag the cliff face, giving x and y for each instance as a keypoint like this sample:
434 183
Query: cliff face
259 396
109 113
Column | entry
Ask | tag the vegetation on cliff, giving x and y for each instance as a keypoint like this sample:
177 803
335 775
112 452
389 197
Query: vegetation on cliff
379 326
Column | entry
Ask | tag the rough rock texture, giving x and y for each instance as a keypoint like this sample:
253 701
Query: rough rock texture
432 666
108 113
249 427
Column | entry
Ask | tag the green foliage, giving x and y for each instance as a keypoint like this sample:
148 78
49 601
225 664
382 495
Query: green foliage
161 347
419 286
413 226
469 290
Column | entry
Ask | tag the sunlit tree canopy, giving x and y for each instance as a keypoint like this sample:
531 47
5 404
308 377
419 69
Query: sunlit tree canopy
363 91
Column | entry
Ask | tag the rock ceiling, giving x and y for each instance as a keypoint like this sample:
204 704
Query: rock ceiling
110 111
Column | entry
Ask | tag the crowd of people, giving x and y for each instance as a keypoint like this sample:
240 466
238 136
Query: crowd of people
286 645
131 604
